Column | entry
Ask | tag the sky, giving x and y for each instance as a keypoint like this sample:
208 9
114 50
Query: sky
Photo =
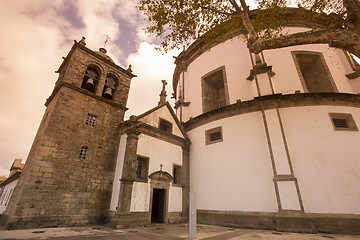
36 34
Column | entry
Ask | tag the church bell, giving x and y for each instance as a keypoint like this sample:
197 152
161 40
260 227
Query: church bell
90 82
108 92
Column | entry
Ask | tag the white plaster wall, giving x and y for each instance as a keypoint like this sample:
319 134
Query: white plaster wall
118 173
153 119
287 79
158 152
325 161
277 142
140 197
235 174
288 195
6 195
234 55
175 199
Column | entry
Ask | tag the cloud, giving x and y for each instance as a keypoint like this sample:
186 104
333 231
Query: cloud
151 67
37 33
31 51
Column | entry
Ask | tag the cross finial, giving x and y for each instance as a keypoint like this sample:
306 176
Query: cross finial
161 166
163 93
107 38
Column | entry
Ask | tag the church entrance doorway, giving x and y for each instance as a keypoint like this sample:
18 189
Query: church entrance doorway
158 206
159 196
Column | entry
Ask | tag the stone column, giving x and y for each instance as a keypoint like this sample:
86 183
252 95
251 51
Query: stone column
185 176
128 172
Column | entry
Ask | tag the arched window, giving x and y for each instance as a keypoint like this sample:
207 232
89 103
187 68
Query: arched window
109 88
83 152
91 78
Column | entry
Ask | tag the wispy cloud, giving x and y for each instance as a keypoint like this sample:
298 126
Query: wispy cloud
37 33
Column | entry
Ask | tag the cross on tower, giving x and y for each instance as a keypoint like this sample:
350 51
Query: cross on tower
107 38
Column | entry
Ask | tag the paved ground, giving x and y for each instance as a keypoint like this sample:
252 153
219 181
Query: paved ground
163 232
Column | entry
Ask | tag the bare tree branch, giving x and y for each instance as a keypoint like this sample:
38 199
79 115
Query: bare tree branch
243 14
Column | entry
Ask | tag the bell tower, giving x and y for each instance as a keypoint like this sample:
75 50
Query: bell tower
69 171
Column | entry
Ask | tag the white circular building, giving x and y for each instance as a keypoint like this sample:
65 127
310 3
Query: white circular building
274 137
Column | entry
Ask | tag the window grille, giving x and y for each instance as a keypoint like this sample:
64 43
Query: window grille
83 152
213 135
91 120
165 125
340 123
141 169
343 122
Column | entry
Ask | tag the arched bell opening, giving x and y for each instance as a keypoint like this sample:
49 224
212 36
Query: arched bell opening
91 78
110 86
159 198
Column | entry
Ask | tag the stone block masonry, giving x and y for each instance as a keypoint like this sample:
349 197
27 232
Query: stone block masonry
58 187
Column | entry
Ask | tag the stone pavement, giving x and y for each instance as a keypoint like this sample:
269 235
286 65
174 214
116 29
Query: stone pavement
164 232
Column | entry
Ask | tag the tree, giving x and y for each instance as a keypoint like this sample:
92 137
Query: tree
179 22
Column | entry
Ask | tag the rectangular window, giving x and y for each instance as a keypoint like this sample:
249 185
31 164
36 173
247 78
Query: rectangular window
213 135
165 125
343 121
214 90
142 168
177 175
91 120
313 72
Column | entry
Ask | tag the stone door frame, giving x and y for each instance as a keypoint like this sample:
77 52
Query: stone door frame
160 180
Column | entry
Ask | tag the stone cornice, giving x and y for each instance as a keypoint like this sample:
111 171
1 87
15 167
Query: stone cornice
91 52
140 127
275 101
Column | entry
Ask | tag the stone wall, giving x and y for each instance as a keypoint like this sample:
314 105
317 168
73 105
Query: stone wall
58 187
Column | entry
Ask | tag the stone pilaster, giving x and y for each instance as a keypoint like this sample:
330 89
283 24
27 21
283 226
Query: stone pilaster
185 181
128 172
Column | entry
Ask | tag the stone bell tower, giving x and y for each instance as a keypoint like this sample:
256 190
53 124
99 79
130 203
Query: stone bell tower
69 171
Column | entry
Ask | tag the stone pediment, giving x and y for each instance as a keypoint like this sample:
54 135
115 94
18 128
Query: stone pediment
160 176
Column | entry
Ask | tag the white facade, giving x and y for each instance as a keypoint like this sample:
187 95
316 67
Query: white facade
151 153
267 141
235 57
272 146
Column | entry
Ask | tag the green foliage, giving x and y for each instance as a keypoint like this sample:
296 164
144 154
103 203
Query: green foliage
277 14
179 22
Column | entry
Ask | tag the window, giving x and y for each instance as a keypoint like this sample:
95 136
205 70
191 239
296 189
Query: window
141 169
352 61
90 80
313 72
177 175
165 125
343 121
83 152
213 135
91 120
109 88
214 90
